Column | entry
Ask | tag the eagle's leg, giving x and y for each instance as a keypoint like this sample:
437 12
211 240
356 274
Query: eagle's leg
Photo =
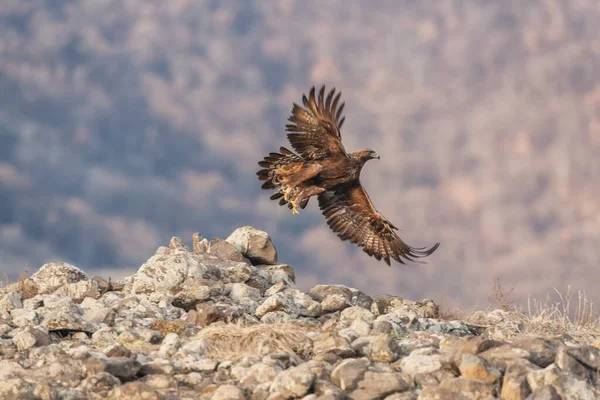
294 207
292 194
286 193
306 192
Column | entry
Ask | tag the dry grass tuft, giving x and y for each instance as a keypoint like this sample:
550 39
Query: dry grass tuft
501 297
450 314
575 317
233 341
454 314
561 313
26 285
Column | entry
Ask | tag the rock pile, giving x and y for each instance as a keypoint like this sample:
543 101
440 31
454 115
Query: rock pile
225 321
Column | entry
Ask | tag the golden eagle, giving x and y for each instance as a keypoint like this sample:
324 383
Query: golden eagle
323 168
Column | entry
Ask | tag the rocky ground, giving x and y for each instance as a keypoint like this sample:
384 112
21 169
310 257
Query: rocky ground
225 321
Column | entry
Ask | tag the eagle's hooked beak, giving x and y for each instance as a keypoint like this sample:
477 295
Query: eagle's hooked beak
375 155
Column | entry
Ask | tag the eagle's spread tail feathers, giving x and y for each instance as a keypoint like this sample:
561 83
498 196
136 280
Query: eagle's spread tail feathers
271 174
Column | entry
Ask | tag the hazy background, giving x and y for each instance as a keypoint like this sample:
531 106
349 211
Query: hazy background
123 123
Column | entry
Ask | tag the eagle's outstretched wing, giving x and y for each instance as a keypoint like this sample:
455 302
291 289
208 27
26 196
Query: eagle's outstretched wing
351 215
314 131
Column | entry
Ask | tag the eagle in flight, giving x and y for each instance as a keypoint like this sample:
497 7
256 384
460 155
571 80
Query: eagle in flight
322 168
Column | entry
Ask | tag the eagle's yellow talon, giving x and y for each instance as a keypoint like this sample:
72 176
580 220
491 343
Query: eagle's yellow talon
286 194
294 209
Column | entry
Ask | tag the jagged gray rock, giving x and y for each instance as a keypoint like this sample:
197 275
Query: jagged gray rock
294 382
254 244
200 245
31 337
225 250
165 272
54 275
377 385
11 301
293 302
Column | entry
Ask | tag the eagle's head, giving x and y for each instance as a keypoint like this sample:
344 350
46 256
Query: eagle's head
365 155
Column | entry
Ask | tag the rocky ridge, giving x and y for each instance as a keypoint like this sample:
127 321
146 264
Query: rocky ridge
224 320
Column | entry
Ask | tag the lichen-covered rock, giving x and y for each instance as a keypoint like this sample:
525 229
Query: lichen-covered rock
418 364
514 384
254 244
138 334
377 385
321 292
136 391
176 243
160 382
11 301
279 272
246 296
505 353
104 336
260 373
275 317
17 388
100 384
384 349
473 367
24 317
63 320
567 362
54 275
166 272
348 373
451 358
349 315
199 244
228 392
293 302
335 302
385 304
100 316
117 350
237 272
542 351
461 388
338 297
586 355
456 328
361 326
31 337
35 302
198 365
546 392
78 291
191 296
328 342
432 379
122 367
170 345
206 314
241 291
225 250
294 382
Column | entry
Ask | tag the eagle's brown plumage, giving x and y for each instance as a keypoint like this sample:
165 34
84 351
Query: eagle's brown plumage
323 168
